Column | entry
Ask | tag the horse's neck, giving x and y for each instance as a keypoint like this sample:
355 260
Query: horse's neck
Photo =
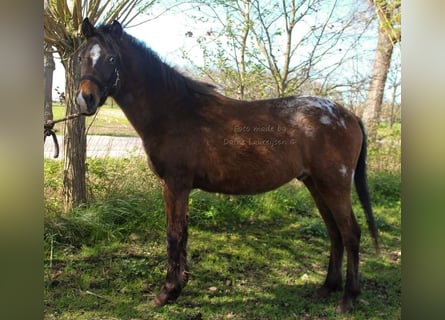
145 100
143 106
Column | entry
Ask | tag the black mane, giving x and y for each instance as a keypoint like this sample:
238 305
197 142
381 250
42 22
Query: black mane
157 72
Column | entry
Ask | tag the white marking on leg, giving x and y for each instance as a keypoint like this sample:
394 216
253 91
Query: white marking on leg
343 170
95 54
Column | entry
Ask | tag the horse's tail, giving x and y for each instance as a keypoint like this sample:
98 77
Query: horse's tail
361 185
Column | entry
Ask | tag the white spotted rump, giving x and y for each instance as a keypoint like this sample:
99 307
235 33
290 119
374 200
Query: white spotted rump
325 104
95 54
321 103
325 120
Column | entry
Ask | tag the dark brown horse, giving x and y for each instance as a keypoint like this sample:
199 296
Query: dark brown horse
195 137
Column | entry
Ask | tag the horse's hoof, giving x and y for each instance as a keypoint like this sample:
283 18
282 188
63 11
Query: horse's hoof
160 300
322 293
345 306
169 293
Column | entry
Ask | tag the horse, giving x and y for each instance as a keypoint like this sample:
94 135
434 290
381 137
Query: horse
197 138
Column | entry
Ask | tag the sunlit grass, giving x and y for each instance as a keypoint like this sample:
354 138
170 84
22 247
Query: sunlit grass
109 120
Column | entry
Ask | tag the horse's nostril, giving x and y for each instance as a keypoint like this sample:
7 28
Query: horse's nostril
89 99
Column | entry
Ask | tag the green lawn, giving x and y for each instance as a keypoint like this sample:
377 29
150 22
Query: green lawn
251 257
109 120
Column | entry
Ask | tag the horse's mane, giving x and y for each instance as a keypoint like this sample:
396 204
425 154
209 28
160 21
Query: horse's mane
157 70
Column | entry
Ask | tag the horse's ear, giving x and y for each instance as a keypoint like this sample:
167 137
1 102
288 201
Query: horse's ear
87 28
116 29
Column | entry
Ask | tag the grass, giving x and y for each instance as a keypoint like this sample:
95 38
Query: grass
109 120
251 257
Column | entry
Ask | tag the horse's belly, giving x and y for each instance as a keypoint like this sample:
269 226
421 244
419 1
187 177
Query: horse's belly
243 181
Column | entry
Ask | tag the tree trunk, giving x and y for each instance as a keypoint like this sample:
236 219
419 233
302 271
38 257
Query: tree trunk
49 66
376 89
74 187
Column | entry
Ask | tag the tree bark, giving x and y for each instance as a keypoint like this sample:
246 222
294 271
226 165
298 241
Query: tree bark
376 89
388 13
74 186
49 66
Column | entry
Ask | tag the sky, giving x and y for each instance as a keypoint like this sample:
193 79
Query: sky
166 35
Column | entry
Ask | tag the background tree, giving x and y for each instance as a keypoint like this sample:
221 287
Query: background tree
389 34
62 22
283 46
225 49
394 85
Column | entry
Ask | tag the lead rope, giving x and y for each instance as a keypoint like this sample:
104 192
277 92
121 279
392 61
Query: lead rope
48 130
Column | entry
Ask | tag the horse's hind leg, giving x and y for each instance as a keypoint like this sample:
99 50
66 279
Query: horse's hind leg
333 280
338 199
351 238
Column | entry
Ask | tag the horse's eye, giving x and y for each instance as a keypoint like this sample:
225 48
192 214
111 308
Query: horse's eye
112 60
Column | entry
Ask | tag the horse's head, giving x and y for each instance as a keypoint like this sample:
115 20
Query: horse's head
100 62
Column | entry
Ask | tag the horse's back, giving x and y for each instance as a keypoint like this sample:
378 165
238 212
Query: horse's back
250 147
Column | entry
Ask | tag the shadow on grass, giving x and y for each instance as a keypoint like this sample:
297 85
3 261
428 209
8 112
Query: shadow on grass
251 257
266 268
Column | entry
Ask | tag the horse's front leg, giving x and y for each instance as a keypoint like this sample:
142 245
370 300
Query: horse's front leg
176 208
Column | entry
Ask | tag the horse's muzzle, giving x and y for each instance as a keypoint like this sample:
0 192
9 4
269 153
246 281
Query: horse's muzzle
87 103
